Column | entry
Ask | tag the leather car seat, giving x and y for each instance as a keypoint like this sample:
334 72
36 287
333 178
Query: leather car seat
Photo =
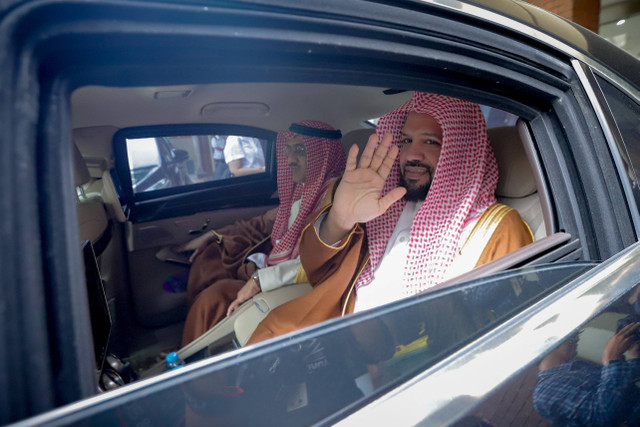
93 221
516 185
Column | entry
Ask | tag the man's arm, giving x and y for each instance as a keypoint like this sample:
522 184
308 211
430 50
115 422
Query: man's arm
235 167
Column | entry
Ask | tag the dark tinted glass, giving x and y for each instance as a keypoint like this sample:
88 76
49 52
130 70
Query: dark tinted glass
338 366
588 380
626 113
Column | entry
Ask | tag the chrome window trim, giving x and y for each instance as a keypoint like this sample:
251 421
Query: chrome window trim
611 132
512 24
453 387
548 213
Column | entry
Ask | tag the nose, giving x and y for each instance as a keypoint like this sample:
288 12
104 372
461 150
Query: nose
413 151
291 157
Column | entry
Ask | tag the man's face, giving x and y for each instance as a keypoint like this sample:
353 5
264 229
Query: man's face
297 156
421 144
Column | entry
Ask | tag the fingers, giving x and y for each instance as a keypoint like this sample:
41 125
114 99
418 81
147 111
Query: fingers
369 149
630 327
352 158
628 334
387 164
233 306
380 155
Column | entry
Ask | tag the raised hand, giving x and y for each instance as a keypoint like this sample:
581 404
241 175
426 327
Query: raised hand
358 197
620 342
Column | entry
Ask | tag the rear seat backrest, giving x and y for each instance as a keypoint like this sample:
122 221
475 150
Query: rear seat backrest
516 185
358 137
92 217
96 143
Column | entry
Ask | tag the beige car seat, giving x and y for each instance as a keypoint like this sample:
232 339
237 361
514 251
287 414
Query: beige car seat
93 221
516 185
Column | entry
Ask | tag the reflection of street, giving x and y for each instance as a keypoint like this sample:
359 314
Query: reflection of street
244 155
577 388
174 161
220 168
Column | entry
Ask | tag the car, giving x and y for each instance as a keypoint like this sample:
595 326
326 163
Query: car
89 237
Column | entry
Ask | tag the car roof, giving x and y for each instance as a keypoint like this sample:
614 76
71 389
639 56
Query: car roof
552 30
274 106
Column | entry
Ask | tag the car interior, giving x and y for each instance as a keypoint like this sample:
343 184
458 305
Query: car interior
115 116
135 233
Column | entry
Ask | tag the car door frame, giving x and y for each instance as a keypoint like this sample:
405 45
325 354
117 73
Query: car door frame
44 352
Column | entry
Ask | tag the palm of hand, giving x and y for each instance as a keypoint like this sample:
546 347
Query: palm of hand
358 196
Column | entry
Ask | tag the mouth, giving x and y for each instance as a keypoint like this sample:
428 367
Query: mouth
416 171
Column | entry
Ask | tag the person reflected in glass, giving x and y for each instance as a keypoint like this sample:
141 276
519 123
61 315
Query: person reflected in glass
244 155
220 167
575 392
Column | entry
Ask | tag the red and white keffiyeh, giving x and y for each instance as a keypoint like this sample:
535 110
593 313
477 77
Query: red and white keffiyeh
463 187
325 160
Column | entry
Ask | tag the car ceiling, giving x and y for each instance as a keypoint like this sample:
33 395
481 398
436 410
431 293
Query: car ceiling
272 106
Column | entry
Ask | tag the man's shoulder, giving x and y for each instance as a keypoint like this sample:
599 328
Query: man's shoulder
507 219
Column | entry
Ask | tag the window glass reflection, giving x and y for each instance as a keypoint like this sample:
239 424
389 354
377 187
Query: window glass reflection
590 379
626 113
174 161
343 363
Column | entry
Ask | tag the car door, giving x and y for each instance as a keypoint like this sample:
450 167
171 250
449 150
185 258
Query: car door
52 48
331 371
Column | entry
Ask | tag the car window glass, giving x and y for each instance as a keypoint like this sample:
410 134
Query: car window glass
627 116
589 379
342 364
173 161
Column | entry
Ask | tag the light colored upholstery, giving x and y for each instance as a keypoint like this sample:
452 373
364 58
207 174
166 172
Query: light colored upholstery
516 185
92 218
111 199
358 137
96 145
81 171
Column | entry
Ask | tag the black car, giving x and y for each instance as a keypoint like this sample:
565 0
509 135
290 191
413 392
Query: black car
85 319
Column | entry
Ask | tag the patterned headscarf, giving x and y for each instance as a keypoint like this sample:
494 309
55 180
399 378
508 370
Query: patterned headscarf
325 160
463 186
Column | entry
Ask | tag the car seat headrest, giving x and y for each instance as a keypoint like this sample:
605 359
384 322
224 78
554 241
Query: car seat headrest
516 178
81 171
358 137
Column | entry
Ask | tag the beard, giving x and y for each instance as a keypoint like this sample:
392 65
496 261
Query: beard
416 193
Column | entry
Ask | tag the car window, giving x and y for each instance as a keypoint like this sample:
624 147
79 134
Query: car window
167 171
176 161
588 379
342 364
627 116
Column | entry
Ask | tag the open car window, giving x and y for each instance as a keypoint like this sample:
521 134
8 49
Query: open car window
344 364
